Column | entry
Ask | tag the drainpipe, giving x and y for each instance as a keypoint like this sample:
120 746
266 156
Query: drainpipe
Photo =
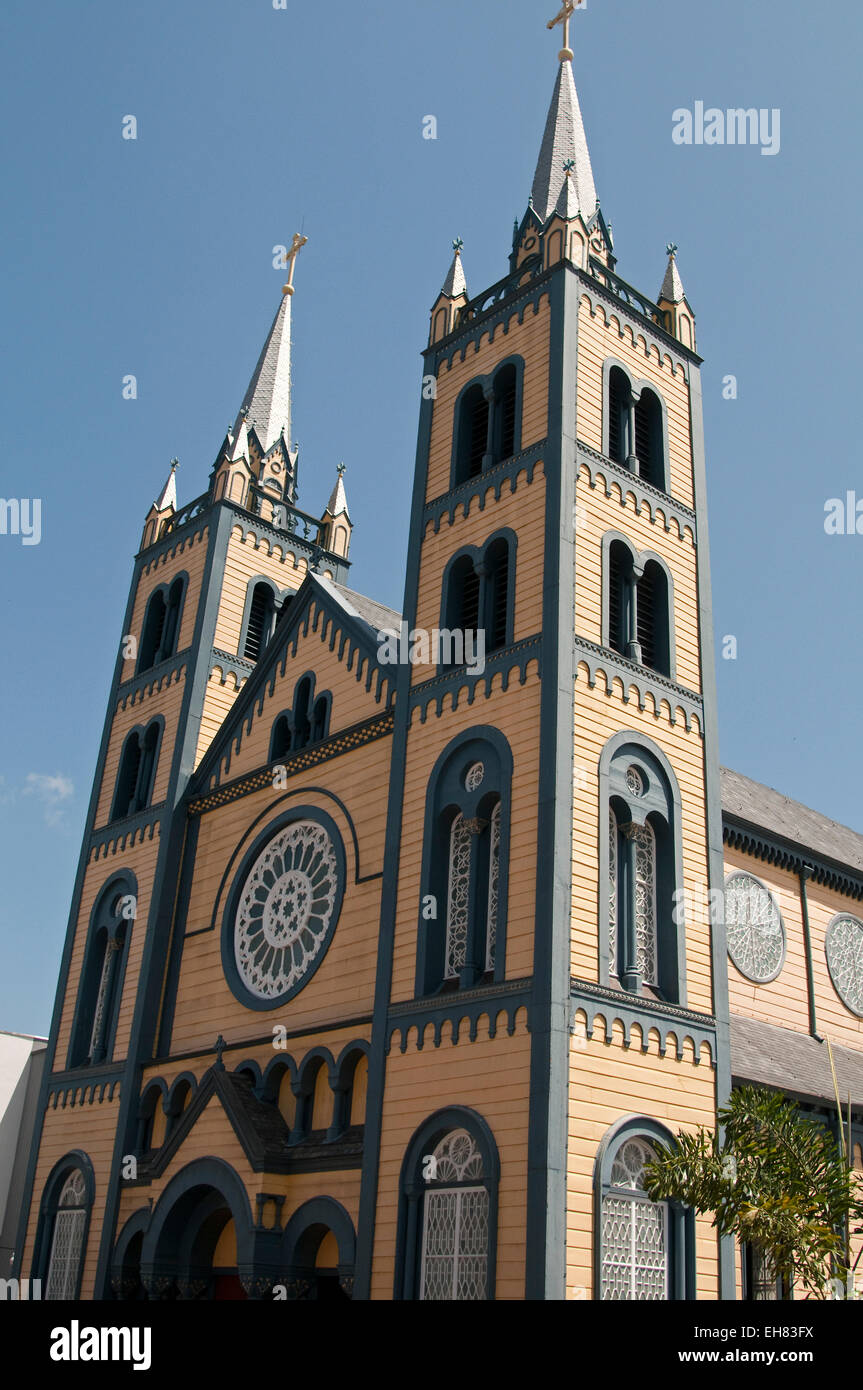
805 874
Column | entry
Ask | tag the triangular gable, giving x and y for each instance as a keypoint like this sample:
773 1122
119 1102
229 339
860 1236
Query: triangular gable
260 1128
345 631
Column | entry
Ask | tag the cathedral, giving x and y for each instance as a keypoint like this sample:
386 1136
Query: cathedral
387 970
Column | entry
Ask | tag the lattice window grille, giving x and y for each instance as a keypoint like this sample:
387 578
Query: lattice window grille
753 924
844 947
455 1225
67 1246
634 1232
645 902
612 892
285 910
493 882
634 782
111 947
474 777
458 897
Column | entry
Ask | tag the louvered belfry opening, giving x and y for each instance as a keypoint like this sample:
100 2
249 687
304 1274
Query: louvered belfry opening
653 618
619 565
497 580
281 744
127 782
505 389
151 639
618 414
469 619
648 439
260 621
473 434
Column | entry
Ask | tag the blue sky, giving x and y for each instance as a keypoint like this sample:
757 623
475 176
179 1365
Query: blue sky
154 257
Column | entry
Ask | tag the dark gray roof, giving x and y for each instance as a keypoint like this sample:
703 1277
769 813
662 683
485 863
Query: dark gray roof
377 615
778 815
796 1062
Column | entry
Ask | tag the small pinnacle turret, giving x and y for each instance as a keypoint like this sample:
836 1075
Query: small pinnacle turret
673 302
167 499
455 282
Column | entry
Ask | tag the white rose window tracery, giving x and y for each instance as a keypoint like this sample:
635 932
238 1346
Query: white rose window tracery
286 909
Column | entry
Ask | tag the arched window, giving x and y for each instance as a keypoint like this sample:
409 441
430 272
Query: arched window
479 597
496 596
464 867
619 432
488 428
649 439
136 775
635 1231
101 977
260 620
620 588
473 445
637 619
320 718
69 1228
447 1220
280 742
505 403
151 636
454 1264
653 618
161 625
635 427
641 928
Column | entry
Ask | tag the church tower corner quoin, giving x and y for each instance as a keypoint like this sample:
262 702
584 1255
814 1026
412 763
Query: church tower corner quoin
377 976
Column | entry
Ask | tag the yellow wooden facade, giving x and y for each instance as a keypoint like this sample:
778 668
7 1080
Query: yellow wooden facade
237 1143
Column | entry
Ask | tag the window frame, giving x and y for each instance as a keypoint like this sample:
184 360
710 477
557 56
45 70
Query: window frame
680 1222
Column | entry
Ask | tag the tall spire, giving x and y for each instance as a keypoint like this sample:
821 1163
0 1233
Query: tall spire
267 403
564 139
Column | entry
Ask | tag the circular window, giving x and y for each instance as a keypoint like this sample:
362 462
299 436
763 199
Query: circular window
286 911
634 782
753 924
474 777
844 946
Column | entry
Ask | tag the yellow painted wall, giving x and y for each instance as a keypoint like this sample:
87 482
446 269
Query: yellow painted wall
609 1082
602 333
597 718
83 1126
491 1076
189 555
530 339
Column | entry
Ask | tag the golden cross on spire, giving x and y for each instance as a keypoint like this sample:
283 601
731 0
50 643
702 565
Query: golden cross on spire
291 260
569 9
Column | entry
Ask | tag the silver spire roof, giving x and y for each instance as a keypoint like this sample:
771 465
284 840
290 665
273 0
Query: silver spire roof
168 496
455 283
338 499
672 285
268 399
564 139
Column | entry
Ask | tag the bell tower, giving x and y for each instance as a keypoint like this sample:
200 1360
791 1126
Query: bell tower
209 583
538 966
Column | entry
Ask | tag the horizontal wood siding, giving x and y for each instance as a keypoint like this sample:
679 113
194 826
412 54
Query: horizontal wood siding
492 1077
609 1082
603 334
